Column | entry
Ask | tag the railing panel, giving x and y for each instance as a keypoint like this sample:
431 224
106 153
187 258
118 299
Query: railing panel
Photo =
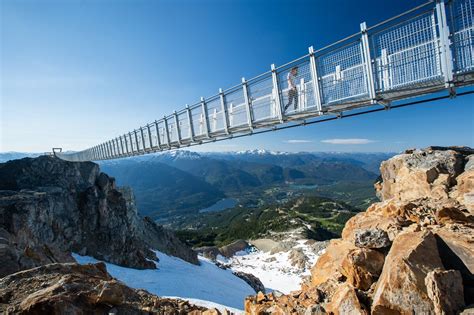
235 103
407 54
215 115
183 123
342 74
162 133
172 129
301 99
128 143
262 98
462 24
199 123
154 138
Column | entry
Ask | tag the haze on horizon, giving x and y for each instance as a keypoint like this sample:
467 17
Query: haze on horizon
76 73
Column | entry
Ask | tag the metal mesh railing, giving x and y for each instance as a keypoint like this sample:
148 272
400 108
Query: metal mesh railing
426 49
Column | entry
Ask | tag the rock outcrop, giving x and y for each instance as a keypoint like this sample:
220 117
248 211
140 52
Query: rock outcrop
227 251
69 288
410 253
50 207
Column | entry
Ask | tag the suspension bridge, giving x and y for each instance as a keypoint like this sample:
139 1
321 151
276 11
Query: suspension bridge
426 50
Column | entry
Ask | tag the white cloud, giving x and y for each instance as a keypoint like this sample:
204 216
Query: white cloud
298 141
348 141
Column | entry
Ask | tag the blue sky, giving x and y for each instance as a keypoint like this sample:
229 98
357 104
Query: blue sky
76 73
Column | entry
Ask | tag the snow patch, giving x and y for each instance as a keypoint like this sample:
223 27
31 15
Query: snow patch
178 278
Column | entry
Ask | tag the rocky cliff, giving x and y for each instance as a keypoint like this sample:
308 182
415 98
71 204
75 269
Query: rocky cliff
50 207
411 253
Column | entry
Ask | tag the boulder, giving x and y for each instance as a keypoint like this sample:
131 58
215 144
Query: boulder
401 287
298 259
445 289
345 301
329 265
420 174
362 267
251 280
234 247
372 238
383 216
464 190
460 240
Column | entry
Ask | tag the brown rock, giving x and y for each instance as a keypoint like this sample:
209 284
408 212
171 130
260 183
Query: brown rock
69 288
362 267
460 240
385 216
445 289
345 301
111 293
420 174
329 264
448 215
261 297
401 287
464 192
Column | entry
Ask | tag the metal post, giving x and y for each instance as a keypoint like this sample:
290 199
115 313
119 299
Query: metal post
158 140
204 114
277 93
150 140
136 141
167 132
315 80
126 144
190 120
132 152
178 132
368 61
247 104
121 145
143 139
224 111
444 42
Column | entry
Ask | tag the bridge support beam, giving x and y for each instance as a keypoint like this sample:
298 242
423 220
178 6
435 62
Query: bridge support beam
204 117
368 61
247 104
157 131
178 131
444 43
276 93
315 80
190 121
167 132
224 111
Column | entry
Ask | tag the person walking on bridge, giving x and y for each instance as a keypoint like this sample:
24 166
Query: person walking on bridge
292 91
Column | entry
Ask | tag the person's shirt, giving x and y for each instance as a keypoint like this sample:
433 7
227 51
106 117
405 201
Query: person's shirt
291 80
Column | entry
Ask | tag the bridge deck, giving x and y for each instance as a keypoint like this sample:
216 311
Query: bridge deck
425 50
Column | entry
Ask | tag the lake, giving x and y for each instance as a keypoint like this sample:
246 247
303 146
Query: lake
220 205
310 186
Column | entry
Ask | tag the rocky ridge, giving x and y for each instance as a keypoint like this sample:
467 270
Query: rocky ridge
70 288
411 253
50 207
